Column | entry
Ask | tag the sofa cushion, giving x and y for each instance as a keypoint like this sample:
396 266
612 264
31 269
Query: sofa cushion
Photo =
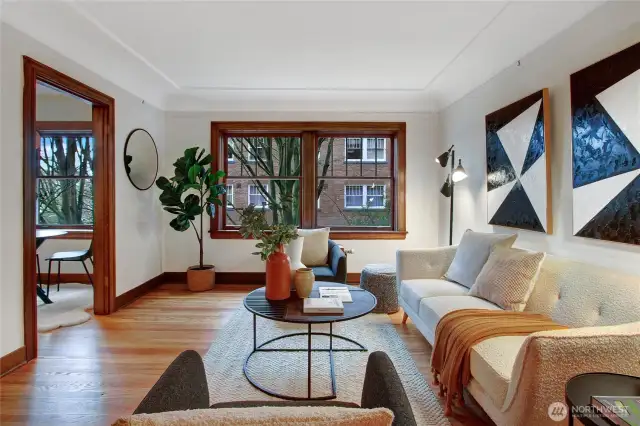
491 364
413 291
584 295
434 308
508 277
315 250
472 254
316 415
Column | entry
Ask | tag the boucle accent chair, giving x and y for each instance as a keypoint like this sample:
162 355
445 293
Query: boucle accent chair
516 378
183 386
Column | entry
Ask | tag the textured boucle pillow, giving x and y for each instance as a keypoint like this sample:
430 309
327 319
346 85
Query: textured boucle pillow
472 253
272 416
315 248
508 277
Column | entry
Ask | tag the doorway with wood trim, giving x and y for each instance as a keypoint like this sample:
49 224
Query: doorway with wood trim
93 137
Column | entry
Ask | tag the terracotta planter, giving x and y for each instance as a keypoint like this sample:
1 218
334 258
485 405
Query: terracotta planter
201 279
278 285
303 281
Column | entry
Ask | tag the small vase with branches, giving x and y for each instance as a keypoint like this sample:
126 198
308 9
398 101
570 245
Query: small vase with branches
272 238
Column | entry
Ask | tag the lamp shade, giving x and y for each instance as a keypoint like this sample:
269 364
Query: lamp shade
459 173
446 188
443 159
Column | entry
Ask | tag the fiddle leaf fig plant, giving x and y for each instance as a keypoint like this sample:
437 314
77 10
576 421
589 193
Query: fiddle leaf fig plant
254 225
194 189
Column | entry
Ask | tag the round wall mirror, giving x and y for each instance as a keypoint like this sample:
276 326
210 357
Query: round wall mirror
141 159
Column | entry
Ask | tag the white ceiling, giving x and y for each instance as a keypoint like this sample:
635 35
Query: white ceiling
363 55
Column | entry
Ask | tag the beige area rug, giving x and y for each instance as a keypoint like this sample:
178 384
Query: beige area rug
287 372
69 307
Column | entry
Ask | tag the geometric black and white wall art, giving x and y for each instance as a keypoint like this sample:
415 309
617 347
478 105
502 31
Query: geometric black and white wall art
605 110
518 165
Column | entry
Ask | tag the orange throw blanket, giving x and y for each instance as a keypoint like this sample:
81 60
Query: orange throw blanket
458 331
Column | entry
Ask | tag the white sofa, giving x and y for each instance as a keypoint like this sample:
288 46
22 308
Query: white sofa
515 379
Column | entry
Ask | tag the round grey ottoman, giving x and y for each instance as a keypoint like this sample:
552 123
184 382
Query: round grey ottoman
380 280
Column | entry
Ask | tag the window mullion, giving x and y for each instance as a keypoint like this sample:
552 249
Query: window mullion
309 179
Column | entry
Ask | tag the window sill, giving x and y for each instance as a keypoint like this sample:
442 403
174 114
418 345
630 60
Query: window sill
334 235
72 234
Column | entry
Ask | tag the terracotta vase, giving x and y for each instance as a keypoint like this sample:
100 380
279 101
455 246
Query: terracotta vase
278 285
201 279
303 281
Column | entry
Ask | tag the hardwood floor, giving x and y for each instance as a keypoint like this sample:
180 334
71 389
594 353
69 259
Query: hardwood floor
92 373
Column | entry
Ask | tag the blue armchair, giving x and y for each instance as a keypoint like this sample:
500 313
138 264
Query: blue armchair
336 270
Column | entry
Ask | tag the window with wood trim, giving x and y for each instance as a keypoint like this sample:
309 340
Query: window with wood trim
348 176
65 179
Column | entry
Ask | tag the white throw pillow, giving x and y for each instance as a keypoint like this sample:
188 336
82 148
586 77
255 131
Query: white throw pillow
508 277
472 253
315 249
294 251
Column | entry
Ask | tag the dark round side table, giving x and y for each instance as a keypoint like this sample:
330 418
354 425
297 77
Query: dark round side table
580 389
290 311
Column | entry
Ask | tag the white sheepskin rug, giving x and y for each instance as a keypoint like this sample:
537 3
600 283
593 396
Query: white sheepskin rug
69 307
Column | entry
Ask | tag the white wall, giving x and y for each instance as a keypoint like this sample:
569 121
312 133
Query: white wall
186 129
607 30
62 108
138 225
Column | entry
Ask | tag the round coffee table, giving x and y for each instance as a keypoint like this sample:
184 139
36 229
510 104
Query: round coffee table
290 311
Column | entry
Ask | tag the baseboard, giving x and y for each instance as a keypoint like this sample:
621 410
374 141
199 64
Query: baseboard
353 277
13 360
126 298
258 278
223 278
67 278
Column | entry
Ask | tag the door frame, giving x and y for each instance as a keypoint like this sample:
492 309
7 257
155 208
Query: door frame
104 193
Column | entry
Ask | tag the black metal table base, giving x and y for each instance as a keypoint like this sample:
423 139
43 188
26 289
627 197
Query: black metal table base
42 295
261 348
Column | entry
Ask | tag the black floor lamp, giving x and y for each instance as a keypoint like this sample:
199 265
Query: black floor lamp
454 177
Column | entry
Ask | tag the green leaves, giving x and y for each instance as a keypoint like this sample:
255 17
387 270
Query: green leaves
206 160
194 173
171 195
192 207
180 223
193 189
162 182
254 224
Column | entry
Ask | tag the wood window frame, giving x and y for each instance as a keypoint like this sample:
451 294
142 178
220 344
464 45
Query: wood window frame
310 131
74 232
104 238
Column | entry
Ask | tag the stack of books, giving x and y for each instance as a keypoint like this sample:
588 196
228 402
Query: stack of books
340 292
618 410
330 301
323 305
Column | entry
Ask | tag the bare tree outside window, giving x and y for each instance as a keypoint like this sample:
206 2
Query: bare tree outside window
65 180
